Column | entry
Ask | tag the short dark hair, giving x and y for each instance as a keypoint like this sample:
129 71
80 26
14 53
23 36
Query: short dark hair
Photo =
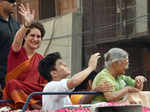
11 1
38 26
84 84
47 64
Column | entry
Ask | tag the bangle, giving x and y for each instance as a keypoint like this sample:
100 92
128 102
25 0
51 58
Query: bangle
26 26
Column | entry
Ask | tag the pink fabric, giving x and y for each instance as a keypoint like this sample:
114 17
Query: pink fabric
86 109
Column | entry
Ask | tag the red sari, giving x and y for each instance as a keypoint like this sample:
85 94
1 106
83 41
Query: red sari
22 78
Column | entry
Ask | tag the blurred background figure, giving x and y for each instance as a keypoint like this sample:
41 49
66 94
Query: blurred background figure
8 29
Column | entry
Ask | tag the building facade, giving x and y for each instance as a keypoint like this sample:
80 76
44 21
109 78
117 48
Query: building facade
118 23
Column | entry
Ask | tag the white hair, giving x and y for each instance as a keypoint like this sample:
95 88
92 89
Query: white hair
113 55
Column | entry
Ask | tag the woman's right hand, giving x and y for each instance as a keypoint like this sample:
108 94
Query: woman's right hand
27 13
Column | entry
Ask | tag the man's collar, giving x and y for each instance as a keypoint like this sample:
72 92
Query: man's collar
1 18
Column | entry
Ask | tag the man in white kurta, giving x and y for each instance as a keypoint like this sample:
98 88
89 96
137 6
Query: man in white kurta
55 71
54 102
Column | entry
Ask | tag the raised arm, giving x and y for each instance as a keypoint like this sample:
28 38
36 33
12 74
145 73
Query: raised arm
79 77
28 16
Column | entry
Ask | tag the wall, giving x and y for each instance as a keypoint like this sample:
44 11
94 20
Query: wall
65 6
141 13
58 37
40 6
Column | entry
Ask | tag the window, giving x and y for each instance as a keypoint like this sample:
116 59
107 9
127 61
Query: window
47 9
126 13
51 8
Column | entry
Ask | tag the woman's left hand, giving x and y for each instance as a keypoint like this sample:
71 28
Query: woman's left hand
139 81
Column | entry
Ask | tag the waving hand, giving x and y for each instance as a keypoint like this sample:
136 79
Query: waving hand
27 13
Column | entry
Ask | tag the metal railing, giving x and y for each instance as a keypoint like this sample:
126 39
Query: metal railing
55 93
6 101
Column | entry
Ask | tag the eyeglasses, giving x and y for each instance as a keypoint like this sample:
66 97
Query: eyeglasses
125 62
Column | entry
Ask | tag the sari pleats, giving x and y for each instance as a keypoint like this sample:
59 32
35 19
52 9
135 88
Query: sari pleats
22 81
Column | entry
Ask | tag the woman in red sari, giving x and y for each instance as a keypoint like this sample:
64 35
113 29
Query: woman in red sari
22 76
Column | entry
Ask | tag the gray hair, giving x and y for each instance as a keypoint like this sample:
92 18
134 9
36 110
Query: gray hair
113 55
